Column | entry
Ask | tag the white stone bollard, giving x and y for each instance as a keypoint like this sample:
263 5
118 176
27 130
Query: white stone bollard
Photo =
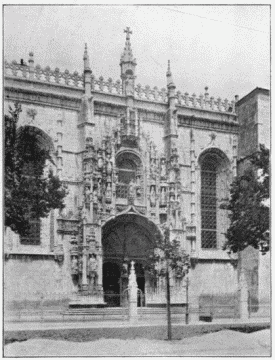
133 313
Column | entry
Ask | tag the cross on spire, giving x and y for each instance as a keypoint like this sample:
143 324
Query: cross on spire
128 32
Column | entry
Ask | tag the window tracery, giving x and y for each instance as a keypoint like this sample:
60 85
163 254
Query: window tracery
212 189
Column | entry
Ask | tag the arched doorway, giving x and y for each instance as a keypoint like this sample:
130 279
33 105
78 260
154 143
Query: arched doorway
128 237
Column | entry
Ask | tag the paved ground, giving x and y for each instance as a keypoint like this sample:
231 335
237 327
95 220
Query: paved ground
222 343
144 337
95 323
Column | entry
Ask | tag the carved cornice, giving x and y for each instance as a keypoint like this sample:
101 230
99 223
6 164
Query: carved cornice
33 96
202 123
22 255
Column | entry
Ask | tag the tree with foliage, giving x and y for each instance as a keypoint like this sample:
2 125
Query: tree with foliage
249 205
29 191
168 258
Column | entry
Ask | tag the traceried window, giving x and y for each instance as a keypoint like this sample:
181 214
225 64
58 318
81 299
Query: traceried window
209 202
128 165
127 171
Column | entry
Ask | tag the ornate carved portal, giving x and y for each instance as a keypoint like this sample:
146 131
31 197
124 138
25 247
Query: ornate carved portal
126 238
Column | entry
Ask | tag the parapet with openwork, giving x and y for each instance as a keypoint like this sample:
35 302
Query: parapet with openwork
76 80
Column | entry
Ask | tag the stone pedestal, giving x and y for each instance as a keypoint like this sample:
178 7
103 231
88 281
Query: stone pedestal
86 300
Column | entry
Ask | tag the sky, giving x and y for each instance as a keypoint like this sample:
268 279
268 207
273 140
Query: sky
226 48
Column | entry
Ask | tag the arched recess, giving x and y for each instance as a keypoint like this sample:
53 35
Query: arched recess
215 178
26 136
125 238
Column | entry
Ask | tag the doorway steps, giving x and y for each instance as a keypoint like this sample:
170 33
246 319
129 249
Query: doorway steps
159 312
119 313
106 313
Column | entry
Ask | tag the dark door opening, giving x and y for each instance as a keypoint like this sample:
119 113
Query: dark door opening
140 283
111 284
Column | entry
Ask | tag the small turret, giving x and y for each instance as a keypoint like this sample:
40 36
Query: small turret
87 99
86 59
171 87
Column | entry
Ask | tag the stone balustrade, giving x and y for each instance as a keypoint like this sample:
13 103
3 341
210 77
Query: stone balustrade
75 79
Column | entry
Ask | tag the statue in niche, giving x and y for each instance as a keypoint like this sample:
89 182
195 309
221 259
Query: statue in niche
84 213
80 265
87 194
124 272
95 196
100 160
74 265
154 167
172 176
163 196
93 269
109 166
99 189
132 188
129 86
153 196
108 191
162 169
138 181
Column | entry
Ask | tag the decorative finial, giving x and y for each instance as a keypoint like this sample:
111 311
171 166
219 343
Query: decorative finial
206 92
128 32
168 69
31 58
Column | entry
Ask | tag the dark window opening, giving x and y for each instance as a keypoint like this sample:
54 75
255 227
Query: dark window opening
33 236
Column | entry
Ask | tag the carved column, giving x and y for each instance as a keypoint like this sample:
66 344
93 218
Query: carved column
193 176
84 283
100 260
59 148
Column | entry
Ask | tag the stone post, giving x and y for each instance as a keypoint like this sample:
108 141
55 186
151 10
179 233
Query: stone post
243 298
133 315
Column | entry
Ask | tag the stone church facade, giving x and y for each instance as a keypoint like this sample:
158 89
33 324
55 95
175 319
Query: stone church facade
132 158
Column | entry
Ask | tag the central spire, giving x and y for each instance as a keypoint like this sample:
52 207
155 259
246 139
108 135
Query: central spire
128 66
127 55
